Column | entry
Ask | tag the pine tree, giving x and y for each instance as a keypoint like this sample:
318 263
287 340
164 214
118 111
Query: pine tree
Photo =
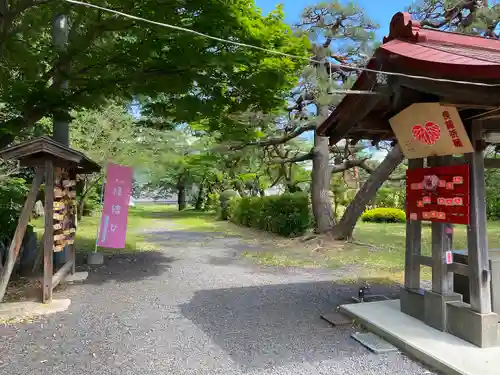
476 17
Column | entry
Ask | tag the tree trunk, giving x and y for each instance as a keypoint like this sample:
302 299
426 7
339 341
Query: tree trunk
181 193
240 188
81 202
320 186
200 198
345 228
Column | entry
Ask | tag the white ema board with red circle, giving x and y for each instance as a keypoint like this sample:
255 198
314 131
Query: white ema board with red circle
430 129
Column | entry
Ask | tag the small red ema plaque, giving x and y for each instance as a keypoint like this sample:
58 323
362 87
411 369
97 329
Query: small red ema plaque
446 201
449 257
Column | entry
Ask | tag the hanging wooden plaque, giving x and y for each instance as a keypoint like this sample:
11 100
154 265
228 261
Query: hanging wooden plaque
430 129
438 194
58 248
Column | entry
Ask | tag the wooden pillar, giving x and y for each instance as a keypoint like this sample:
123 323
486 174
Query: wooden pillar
22 224
442 280
48 241
413 242
477 241
72 248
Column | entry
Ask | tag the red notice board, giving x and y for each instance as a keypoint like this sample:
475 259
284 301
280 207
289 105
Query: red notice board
438 194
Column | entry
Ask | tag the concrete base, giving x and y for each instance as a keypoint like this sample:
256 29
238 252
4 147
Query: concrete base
336 319
77 277
95 259
12 312
441 351
478 329
435 308
412 302
374 343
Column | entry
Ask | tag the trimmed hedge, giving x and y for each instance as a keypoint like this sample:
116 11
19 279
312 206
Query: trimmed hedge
286 214
224 201
384 215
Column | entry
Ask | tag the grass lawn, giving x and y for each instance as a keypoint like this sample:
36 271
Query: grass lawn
381 254
378 254
141 217
152 216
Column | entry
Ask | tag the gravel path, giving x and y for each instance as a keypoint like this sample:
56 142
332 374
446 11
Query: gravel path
194 308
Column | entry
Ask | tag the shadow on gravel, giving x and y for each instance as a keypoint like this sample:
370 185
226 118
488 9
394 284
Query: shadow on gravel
275 325
127 267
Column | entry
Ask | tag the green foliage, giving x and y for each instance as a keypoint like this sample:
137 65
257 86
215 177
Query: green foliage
286 214
178 75
213 202
225 199
384 215
390 196
13 193
111 133
493 194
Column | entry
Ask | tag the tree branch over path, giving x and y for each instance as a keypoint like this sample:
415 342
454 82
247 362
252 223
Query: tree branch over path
344 166
278 140
294 159
370 170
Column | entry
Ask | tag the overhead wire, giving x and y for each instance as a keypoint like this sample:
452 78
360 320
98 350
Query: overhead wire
284 54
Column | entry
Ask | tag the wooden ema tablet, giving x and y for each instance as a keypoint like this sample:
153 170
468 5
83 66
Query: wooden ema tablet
58 248
69 183
59 237
58 192
59 205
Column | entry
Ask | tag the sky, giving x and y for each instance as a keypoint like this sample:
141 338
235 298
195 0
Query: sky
381 11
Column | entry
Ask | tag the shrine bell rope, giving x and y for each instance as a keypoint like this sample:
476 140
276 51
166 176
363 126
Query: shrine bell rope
345 66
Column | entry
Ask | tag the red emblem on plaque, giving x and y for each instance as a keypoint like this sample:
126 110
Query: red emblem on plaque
428 134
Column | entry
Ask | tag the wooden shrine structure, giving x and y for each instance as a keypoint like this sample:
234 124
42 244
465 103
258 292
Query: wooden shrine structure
58 166
465 120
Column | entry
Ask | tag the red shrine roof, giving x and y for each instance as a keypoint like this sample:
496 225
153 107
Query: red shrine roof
453 54
413 49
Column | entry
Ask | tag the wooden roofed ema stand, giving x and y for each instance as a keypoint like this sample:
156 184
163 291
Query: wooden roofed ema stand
436 123
58 166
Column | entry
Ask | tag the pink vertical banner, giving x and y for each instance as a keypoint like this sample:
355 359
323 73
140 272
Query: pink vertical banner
113 229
